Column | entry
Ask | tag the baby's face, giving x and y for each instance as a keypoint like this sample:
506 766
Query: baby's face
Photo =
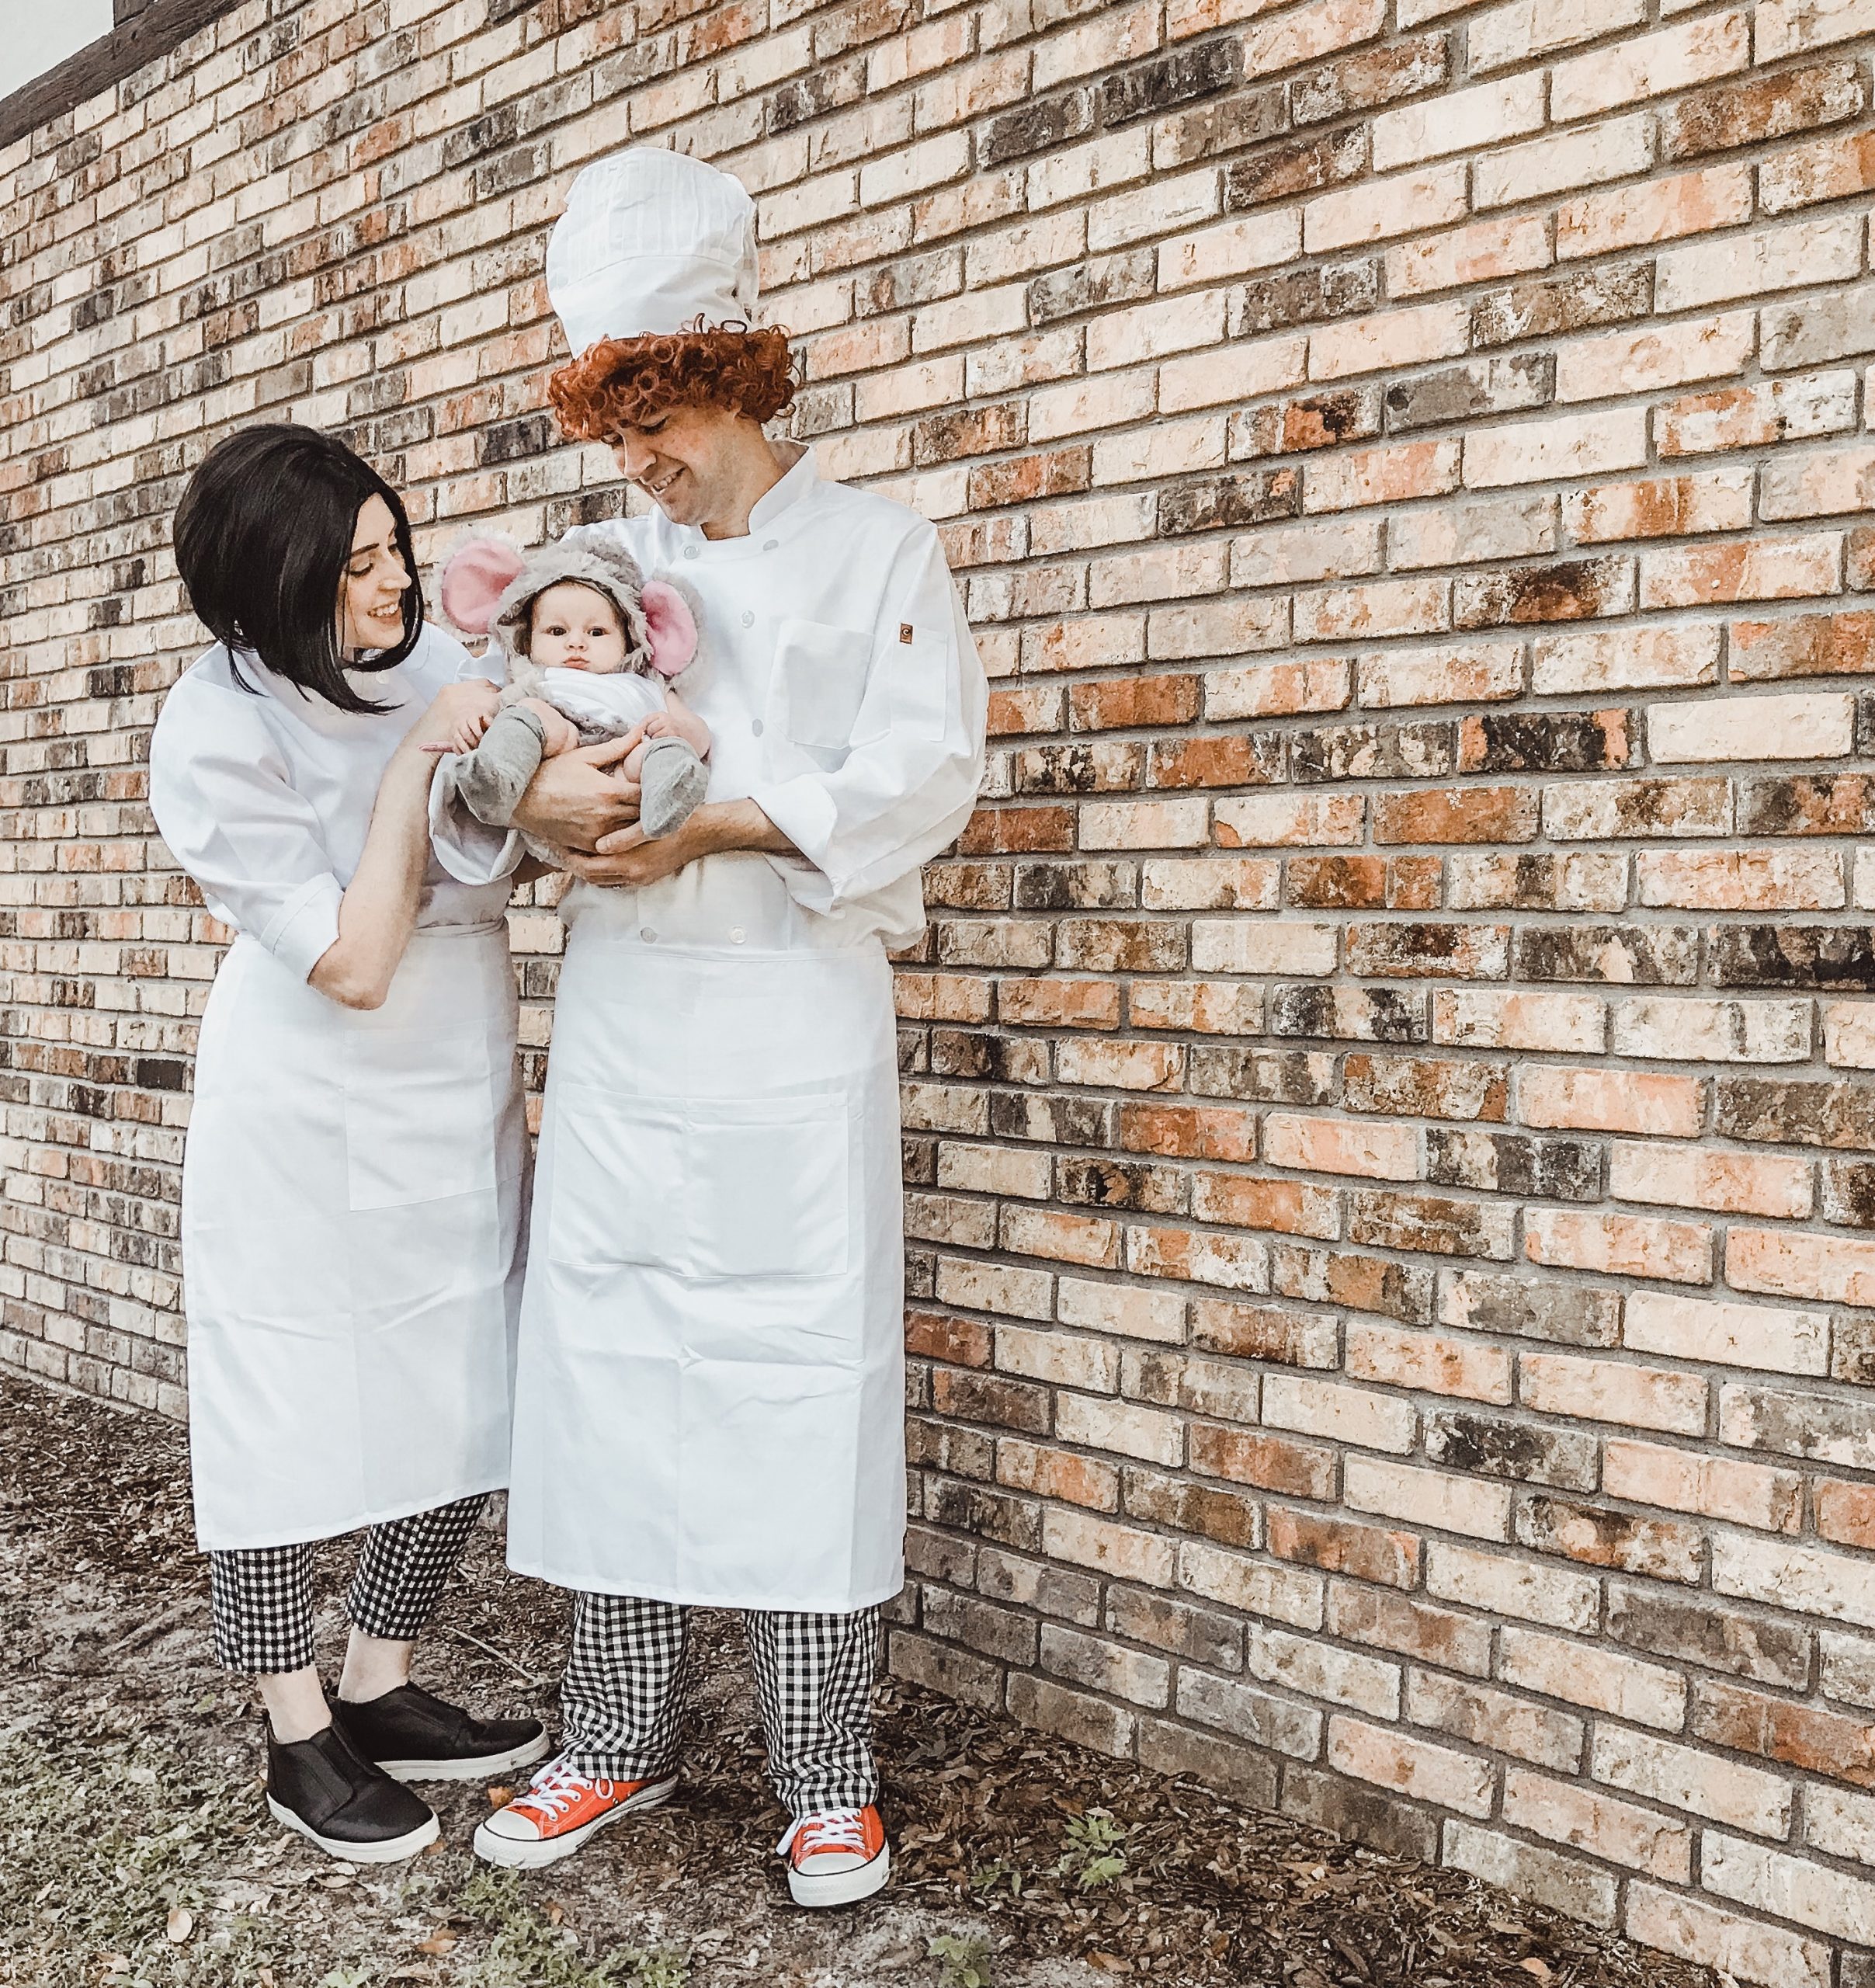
576 627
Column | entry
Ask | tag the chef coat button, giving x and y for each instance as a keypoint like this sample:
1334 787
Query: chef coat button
647 935
754 725
736 934
748 620
689 552
768 544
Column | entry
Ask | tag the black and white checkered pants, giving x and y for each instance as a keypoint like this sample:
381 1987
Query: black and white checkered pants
622 1693
262 1596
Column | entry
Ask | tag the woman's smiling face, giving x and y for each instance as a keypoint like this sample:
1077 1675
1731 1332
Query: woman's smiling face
372 587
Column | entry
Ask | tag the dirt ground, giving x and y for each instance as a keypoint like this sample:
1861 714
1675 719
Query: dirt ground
135 1851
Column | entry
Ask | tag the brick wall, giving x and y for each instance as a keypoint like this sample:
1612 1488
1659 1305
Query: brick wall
1391 1160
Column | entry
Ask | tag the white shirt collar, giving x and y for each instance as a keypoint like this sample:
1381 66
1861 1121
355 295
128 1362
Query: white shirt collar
796 482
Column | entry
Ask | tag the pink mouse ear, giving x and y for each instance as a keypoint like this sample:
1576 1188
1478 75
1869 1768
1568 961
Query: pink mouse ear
672 626
477 574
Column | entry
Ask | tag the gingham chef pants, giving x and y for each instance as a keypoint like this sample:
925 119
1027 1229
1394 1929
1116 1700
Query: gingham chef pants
262 1596
622 1692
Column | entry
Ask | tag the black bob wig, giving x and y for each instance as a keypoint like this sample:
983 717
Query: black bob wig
262 536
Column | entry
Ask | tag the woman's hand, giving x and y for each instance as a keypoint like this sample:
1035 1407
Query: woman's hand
573 800
458 716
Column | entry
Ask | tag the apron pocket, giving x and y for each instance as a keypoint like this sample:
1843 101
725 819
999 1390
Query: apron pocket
772 1191
617 1180
419 1115
701 1187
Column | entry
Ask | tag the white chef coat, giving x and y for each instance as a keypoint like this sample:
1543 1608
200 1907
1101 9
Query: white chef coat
352 1180
710 1402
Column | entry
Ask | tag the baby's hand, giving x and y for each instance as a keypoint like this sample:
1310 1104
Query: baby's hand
657 725
458 715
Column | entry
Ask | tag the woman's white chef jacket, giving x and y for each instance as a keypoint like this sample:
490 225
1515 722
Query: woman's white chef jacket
710 1400
352 1180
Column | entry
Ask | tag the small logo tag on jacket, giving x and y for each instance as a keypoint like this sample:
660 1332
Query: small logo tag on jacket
904 631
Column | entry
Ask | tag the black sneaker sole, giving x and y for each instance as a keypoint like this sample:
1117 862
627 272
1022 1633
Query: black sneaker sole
392 1849
478 1767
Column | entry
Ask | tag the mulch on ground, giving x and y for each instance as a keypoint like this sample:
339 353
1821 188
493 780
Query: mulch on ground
139 1855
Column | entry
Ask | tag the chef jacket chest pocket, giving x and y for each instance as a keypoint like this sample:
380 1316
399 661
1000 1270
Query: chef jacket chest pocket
700 1187
822 674
420 1107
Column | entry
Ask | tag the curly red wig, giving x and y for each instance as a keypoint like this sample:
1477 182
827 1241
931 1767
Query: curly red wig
621 383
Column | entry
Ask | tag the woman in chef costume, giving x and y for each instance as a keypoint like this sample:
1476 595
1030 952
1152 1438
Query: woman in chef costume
710 1406
353 1176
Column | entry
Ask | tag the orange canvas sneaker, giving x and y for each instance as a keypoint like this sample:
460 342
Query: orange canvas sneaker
836 1857
560 1812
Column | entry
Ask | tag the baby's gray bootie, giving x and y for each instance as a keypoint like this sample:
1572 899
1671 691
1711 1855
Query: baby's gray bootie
671 780
492 778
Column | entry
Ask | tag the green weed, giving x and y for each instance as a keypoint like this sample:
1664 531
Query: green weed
1096 1853
963 1962
993 1878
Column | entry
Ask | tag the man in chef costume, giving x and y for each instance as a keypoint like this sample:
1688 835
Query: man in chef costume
709 1405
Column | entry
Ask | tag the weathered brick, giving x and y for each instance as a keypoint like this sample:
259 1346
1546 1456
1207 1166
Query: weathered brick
1495 1719
1563 1882
1500 1446
1746 1949
1606 1391
1416 1768
1769 1880
1684 1481
1599 1679
1690 1780
1716 1635
1326 1801
1768 107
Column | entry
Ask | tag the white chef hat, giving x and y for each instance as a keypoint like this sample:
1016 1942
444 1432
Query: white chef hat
651 242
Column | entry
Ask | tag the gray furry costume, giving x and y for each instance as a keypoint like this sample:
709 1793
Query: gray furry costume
489 586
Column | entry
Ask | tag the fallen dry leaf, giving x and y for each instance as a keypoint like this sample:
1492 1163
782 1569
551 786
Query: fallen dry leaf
439 1942
180 1924
1539 1969
499 1797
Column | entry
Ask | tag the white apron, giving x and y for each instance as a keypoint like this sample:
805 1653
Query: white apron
353 1191
710 1406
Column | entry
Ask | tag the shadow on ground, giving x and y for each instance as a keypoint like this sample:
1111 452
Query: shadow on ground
138 1853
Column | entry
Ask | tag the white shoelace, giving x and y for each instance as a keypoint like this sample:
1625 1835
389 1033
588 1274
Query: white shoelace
835 1829
557 1787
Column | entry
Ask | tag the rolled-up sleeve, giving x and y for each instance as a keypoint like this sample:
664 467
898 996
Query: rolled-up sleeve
223 804
909 780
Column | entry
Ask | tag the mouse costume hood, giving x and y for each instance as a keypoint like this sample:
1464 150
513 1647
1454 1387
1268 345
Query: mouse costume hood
489 587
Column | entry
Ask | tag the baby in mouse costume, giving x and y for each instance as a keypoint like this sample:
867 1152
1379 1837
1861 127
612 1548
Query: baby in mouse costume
590 645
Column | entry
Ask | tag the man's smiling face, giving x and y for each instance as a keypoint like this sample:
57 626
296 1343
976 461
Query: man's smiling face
683 458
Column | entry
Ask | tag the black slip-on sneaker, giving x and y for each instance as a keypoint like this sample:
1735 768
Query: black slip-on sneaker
322 1788
413 1735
